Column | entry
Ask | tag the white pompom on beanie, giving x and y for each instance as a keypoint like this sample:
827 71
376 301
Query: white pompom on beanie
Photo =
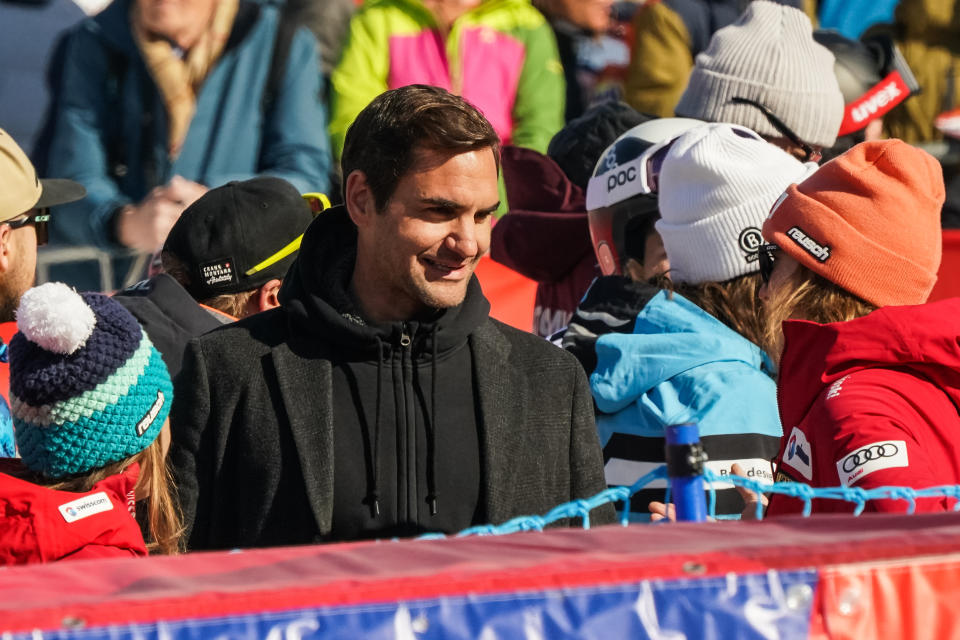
768 55
717 185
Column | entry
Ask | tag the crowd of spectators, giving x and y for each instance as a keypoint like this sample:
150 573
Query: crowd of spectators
722 205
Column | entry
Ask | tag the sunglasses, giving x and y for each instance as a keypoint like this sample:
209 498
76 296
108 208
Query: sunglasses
767 258
40 218
318 202
810 154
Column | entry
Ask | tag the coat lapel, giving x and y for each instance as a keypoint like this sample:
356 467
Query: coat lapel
307 389
490 353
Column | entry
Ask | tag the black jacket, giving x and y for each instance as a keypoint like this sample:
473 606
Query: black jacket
170 316
260 415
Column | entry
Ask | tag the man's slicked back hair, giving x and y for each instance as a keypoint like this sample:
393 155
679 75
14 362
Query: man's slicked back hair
384 139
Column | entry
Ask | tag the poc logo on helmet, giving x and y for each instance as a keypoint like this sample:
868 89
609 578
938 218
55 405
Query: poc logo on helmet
620 178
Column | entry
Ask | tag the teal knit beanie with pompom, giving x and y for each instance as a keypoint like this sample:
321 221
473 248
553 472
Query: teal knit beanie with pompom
87 387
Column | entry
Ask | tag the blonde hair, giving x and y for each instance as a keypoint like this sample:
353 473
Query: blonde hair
733 302
163 519
807 296
234 304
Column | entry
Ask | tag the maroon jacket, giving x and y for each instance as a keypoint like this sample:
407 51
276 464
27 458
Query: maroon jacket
545 236
872 402
42 525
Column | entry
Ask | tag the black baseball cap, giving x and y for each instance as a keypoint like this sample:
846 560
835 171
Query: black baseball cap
239 236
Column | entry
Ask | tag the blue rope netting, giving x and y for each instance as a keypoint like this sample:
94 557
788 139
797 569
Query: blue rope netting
582 508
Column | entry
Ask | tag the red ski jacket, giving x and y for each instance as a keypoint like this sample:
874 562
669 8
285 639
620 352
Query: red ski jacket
872 402
38 524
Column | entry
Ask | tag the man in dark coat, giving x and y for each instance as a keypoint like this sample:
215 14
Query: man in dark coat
380 399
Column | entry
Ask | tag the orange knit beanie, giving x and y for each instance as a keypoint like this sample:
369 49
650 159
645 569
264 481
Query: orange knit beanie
868 221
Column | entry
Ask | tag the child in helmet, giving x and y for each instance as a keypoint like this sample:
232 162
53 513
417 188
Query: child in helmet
90 396
686 349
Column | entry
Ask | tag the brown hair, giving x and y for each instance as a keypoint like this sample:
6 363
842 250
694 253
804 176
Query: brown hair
811 297
163 519
733 302
234 304
386 136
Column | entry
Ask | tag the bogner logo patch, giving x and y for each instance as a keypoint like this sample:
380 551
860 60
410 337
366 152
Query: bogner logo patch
151 415
819 251
887 454
85 506
218 272
750 240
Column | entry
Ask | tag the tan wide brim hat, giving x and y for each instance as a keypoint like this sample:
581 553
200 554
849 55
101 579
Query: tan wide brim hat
20 188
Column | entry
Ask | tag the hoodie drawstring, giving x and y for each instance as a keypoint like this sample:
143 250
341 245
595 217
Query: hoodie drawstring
432 436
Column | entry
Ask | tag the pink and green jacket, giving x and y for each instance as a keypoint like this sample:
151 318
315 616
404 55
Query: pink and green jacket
501 56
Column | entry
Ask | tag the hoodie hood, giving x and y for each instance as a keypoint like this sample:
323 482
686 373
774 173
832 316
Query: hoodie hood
315 297
546 233
680 346
43 525
922 339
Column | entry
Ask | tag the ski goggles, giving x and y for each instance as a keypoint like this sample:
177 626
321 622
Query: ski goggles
40 218
640 176
318 202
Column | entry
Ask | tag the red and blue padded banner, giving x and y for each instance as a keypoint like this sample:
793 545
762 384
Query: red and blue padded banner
746 607
876 576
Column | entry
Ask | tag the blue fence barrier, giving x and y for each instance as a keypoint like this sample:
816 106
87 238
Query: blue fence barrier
582 508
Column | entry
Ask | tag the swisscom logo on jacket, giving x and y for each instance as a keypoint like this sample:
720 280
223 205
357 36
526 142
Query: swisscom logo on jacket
44 525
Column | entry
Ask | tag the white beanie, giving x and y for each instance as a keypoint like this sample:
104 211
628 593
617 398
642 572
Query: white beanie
717 184
768 55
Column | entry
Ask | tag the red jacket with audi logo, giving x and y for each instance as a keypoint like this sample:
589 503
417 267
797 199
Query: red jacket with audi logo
871 402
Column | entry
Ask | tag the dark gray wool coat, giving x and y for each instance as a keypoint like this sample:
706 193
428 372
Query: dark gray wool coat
252 426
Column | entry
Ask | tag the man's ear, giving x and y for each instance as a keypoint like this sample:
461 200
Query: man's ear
266 296
6 258
359 199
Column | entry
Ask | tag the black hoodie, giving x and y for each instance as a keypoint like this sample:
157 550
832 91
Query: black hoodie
405 419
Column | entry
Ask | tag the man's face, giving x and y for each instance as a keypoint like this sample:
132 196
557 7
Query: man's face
20 261
592 15
446 11
421 250
178 20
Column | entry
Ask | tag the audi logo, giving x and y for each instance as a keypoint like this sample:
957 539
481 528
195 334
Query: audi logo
873 452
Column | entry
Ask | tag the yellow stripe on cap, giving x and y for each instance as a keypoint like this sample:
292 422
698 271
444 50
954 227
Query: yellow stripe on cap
294 245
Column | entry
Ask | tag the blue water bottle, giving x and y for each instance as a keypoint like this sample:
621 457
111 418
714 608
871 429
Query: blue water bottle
685 460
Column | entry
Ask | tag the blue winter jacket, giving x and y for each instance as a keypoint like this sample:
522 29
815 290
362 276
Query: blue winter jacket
105 139
694 369
661 360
